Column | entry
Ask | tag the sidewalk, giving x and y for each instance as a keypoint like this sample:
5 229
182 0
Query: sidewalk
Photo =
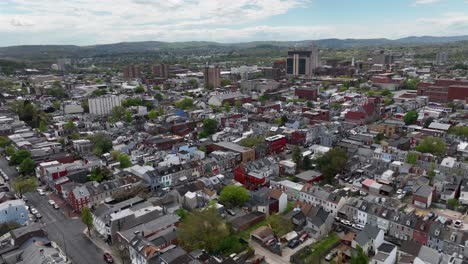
98 242
67 210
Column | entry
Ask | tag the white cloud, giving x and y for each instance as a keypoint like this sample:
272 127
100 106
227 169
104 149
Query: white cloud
20 22
425 2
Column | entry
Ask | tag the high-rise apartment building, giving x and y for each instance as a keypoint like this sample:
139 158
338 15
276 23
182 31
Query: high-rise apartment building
103 105
132 72
441 58
161 70
302 62
212 76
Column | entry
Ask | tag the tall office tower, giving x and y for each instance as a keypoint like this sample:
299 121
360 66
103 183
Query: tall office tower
132 72
212 76
161 70
302 62
382 58
103 105
441 58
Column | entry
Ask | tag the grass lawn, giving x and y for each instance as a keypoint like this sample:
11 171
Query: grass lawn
323 246
246 233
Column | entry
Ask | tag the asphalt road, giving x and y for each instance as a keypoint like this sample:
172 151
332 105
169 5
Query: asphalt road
9 171
67 233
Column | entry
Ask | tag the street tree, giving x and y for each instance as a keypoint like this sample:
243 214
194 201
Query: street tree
87 219
234 196
27 166
18 156
22 184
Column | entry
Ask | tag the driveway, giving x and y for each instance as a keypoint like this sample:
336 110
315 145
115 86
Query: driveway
272 258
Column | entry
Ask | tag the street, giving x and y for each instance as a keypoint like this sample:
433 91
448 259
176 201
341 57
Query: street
68 233
9 171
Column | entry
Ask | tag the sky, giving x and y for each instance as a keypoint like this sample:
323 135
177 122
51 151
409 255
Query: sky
90 22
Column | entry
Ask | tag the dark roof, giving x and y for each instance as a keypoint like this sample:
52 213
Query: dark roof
386 247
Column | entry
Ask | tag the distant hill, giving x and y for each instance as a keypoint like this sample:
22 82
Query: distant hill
56 51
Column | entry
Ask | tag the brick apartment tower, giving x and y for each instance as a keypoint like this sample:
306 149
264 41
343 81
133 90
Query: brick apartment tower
161 71
212 75
132 72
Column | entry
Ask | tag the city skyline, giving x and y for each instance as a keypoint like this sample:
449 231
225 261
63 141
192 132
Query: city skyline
87 23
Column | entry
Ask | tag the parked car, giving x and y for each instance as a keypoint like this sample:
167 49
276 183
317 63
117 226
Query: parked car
294 243
55 206
231 212
346 222
458 223
303 237
331 255
38 215
34 211
399 191
270 242
51 202
400 196
41 192
108 258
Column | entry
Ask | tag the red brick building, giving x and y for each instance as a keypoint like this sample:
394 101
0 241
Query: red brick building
421 230
132 72
444 90
78 198
276 143
256 174
306 93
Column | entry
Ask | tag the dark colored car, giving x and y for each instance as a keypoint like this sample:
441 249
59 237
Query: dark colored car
293 243
108 258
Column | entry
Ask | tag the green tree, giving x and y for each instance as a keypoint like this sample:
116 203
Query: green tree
159 97
19 156
139 89
461 131
57 104
284 120
428 121
124 161
332 163
100 174
185 103
87 219
210 126
203 229
227 107
225 82
234 196
431 174
85 104
42 126
22 185
7 227
9 150
250 142
306 163
410 117
412 158
297 156
118 113
385 92
102 143
360 257
433 145
128 116
132 102
411 84
309 104
4 142
152 114
379 137
238 105
280 225
27 166
193 83
69 126
453 203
